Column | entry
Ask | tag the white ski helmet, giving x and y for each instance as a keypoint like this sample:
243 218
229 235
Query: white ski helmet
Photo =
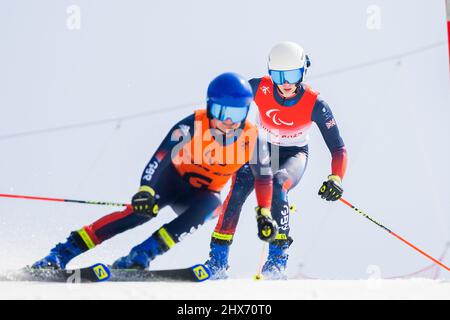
287 56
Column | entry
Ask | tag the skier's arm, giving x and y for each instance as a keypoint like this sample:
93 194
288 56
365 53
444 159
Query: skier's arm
331 190
323 117
144 201
180 133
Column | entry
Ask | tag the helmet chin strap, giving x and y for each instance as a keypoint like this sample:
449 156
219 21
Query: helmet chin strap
299 84
297 87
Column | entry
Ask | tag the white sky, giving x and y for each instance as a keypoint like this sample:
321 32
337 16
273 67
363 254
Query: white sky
132 57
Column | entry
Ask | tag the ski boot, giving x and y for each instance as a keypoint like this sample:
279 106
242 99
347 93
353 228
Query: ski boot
62 253
141 255
218 259
275 266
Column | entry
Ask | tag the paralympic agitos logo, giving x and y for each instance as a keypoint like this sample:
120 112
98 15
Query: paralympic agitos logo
273 114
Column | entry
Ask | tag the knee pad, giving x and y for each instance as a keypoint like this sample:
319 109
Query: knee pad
282 180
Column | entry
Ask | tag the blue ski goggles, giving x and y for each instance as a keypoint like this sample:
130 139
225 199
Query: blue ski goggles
222 113
289 76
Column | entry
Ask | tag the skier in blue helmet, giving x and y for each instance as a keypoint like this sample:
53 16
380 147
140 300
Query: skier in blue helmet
175 177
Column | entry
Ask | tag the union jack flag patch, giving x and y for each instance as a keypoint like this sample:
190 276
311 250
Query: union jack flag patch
330 124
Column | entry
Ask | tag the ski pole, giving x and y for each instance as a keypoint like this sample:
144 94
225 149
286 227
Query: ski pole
100 203
394 234
258 275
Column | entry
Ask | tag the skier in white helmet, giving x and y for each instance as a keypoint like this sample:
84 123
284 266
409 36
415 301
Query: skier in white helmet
287 108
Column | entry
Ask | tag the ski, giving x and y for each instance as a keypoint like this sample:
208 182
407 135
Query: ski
95 273
100 272
197 273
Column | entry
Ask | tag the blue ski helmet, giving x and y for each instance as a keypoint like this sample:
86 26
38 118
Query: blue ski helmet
229 97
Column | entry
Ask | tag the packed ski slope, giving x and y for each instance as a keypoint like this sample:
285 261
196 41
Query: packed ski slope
233 289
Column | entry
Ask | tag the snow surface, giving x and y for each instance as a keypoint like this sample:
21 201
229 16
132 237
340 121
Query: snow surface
233 289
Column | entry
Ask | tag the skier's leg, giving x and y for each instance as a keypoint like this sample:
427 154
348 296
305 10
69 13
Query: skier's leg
241 187
103 229
194 207
285 179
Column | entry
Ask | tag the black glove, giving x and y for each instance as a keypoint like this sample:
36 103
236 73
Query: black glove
331 190
144 202
267 227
